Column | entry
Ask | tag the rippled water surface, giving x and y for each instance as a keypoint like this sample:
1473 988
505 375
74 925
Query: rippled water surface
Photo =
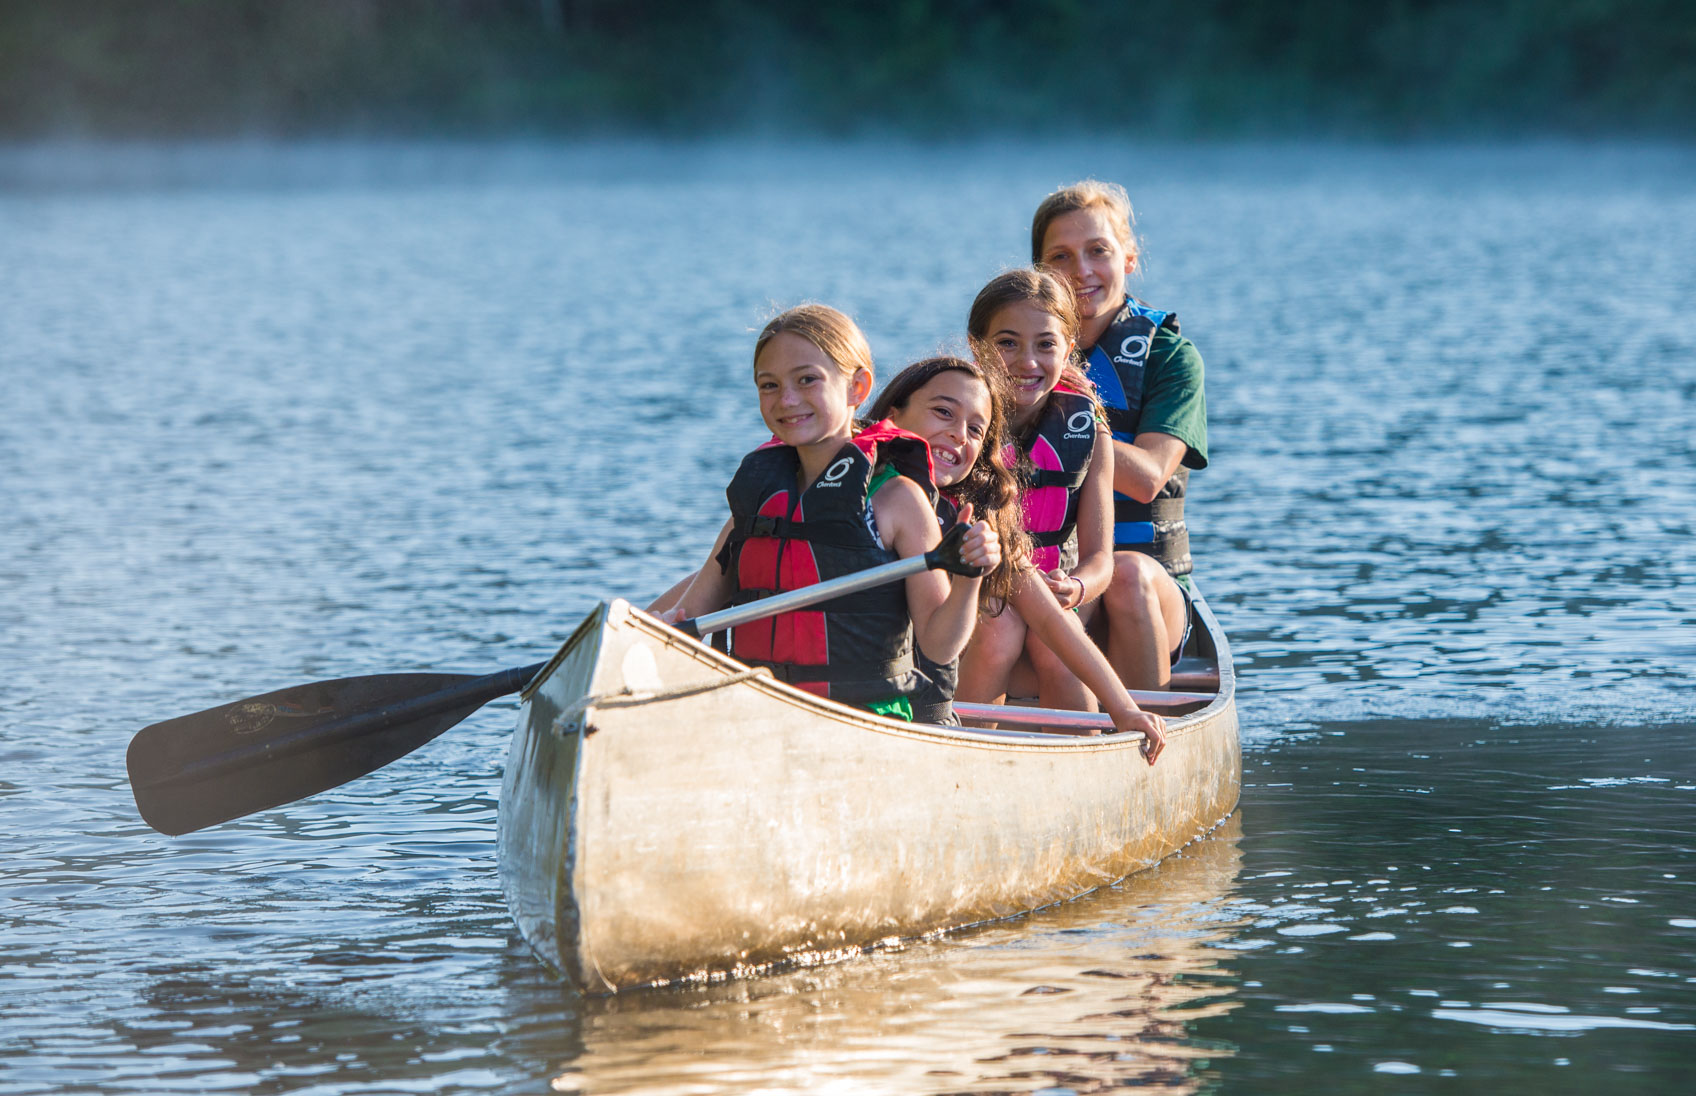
277 415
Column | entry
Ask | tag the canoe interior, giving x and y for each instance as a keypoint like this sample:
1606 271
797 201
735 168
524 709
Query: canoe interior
667 815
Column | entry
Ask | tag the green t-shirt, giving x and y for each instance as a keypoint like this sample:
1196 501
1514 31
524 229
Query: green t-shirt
1173 401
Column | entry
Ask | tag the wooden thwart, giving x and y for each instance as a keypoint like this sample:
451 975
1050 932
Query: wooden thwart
1013 715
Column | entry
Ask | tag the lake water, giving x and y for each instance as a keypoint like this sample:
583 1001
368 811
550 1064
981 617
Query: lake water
273 415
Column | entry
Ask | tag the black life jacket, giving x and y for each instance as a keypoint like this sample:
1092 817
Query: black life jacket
934 700
1116 367
857 648
1053 461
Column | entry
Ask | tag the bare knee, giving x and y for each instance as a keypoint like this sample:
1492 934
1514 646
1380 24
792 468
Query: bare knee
1043 659
1134 593
990 657
1000 635
996 644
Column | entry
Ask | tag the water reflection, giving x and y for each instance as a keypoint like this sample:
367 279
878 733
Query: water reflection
1093 993
1090 995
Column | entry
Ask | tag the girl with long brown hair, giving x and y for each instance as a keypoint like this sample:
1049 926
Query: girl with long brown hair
1027 322
963 409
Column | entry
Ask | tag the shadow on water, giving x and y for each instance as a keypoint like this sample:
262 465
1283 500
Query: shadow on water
207 1028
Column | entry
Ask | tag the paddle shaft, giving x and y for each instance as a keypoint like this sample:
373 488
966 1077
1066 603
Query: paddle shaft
805 596
212 766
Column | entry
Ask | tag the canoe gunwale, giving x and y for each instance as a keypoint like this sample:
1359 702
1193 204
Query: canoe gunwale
738 674
590 625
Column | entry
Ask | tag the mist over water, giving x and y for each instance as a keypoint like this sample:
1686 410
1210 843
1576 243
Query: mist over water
284 413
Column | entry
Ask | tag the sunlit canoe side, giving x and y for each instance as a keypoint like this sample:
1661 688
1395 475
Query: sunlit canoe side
667 815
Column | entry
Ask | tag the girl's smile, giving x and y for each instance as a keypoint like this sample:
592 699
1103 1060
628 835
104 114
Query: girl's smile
951 412
1034 348
805 398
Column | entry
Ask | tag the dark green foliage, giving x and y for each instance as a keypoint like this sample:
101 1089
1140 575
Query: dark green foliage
220 67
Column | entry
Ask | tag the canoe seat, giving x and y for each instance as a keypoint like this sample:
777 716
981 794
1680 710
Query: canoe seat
1190 675
1195 675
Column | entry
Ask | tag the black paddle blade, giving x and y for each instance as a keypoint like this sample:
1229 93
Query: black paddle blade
198 770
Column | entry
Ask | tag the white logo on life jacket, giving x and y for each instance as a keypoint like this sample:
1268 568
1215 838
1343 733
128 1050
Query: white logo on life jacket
1080 425
833 475
1133 350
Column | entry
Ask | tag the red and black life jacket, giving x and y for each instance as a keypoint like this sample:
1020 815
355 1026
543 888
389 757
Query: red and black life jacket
859 647
1056 452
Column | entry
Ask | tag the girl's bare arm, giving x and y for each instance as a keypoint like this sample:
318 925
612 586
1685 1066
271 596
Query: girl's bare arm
710 589
944 607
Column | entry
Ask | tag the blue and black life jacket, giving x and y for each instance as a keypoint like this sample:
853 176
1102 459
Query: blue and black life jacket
1116 366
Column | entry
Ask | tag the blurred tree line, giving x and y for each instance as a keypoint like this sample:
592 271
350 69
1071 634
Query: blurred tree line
924 67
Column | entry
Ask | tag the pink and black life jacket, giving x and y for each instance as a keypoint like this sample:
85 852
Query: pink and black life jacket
859 647
1052 459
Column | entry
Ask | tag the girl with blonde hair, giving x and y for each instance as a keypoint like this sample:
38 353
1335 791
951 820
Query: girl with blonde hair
824 498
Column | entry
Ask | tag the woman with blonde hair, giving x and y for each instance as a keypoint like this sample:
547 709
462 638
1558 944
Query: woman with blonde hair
1149 378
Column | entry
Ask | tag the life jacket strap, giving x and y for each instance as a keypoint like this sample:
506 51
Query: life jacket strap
840 534
1035 478
1155 528
1121 422
1167 509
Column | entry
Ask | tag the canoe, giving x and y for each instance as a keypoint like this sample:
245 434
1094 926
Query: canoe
668 814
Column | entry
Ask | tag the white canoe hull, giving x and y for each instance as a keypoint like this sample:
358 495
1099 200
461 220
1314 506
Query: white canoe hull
666 815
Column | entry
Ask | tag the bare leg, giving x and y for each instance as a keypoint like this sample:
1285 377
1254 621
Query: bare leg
1145 620
1057 686
996 645
1022 684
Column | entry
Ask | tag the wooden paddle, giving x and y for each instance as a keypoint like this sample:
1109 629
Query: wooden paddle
250 755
